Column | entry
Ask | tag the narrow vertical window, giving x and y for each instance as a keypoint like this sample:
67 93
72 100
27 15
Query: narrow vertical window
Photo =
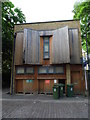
46 47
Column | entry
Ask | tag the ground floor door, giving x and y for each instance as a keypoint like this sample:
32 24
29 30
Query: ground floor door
75 78
28 86
40 86
19 86
45 86
48 86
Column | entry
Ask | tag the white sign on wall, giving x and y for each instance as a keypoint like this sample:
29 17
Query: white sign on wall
55 81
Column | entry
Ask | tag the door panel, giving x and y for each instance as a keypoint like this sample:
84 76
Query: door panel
28 86
19 85
41 86
75 78
47 85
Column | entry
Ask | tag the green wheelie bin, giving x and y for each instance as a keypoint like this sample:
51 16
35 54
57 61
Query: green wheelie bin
61 88
70 91
56 92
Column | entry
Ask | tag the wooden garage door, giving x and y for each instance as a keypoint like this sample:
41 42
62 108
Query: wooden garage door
45 86
28 86
75 77
19 85
41 86
48 86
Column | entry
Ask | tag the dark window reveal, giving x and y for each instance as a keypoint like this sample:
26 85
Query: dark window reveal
46 47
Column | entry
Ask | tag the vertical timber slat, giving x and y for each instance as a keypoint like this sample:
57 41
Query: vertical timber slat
68 74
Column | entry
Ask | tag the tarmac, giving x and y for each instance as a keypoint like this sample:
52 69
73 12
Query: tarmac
43 106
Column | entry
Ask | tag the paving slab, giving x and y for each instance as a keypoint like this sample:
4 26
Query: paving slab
43 106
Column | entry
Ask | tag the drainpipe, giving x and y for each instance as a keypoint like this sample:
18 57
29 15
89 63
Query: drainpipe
12 73
87 78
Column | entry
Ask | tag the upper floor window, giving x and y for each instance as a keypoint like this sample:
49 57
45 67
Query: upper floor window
24 70
59 70
20 70
51 70
42 70
46 47
29 70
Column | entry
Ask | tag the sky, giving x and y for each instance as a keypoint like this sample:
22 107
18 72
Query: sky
45 10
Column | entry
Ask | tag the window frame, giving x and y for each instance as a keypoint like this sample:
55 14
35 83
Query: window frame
47 70
20 73
43 67
24 70
60 72
53 69
46 42
29 67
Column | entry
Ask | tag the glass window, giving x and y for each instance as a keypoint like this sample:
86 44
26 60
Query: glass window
29 70
46 47
42 70
46 39
59 70
20 70
50 70
46 56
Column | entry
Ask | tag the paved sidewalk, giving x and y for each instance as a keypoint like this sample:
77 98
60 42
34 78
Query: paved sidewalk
43 106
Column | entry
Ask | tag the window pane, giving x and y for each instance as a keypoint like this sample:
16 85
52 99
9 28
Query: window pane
46 39
42 70
46 47
29 70
50 70
20 70
59 70
46 55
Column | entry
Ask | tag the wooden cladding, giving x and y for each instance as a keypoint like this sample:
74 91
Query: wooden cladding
64 46
60 46
74 46
19 49
31 46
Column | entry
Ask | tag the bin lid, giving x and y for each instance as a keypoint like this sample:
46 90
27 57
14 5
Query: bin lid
70 85
55 86
61 85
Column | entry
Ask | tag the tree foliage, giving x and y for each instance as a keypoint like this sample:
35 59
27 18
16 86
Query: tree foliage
10 16
82 11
